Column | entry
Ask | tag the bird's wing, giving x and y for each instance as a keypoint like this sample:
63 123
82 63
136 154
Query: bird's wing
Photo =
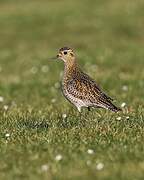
85 88
96 87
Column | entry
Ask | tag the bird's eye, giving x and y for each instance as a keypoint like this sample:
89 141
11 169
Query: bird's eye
65 52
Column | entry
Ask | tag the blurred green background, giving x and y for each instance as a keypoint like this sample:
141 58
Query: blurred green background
36 122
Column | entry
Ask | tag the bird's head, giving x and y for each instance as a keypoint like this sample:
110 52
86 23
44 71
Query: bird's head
66 54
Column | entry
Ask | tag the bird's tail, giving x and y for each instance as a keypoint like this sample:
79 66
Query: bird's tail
113 108
109 105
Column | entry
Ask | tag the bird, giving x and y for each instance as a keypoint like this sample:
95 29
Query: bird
78 87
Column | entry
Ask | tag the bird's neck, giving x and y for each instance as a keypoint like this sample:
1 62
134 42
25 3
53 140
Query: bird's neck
70 70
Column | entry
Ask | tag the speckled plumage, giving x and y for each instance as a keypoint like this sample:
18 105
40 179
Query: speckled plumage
79 88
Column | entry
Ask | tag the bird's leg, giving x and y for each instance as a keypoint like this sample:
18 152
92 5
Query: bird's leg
79 109
81 115
88 108
87 114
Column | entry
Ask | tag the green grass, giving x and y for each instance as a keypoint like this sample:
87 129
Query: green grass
108 39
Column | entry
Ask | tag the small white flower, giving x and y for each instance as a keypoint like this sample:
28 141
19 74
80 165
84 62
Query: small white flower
127 117
118 118
44 167
1 99
88 162
125 146
5 107
99 166
57 85
53 100
125 88
64 116
58 157
45 69
7 135
90 151
61 74
34 70
123 104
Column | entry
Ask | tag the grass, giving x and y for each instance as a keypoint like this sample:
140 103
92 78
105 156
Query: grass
108 38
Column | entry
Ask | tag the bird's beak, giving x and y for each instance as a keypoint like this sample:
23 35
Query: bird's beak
56 57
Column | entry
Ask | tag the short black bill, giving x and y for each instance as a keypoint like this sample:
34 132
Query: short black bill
54 58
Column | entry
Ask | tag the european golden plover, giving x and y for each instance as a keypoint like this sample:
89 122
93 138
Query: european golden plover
80 89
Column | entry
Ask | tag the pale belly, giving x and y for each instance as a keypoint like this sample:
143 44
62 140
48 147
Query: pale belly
76 101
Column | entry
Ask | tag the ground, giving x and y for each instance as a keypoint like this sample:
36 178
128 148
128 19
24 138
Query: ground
42 136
